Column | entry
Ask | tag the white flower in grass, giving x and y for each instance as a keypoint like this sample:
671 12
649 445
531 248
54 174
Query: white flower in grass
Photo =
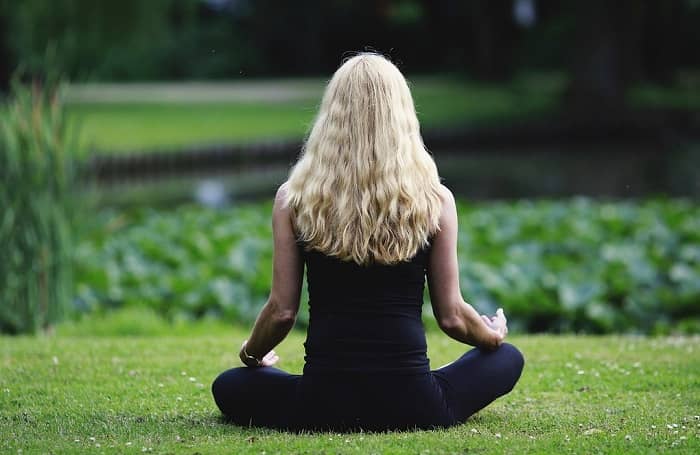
183 373
474 430
76 440
497 435
128 444
54 359
580 372
97 444
91 439
628 437
160 384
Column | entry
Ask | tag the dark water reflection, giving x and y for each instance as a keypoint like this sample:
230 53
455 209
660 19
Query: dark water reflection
606 170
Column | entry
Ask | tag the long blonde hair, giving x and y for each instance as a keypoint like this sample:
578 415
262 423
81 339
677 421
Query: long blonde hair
365 188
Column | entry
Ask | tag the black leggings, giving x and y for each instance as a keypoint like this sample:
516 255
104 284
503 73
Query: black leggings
270 397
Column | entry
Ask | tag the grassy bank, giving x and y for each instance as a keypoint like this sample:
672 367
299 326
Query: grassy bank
116 394
192 114
128 117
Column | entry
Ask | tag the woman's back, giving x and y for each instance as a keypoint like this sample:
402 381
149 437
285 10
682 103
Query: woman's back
365 319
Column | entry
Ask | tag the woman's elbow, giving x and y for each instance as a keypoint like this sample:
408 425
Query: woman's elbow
281 314
286 318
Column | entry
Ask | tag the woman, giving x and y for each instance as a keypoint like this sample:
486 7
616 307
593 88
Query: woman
364 211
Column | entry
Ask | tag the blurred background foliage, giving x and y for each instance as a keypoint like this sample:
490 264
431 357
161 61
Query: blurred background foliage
195 39
37 196
569 265
569 130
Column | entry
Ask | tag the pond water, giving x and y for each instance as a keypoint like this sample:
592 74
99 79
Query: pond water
605 170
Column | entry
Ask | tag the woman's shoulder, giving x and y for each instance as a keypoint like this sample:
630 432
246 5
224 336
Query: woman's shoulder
282 191
446 195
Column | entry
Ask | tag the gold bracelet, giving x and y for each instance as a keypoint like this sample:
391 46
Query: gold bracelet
258 362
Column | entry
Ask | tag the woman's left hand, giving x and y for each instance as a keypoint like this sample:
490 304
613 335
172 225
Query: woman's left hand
270 359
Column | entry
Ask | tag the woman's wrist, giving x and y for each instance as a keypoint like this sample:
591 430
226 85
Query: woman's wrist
247 358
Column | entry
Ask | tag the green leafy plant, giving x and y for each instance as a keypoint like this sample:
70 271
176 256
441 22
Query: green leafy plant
575 265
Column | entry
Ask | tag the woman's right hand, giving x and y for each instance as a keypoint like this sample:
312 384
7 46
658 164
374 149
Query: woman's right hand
498 323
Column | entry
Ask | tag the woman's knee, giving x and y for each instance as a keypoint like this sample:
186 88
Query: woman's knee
227 386
513 358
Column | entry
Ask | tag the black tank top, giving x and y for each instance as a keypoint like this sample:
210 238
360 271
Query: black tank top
365 319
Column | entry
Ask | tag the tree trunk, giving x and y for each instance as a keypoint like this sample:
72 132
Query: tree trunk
606 56
493 34
6 63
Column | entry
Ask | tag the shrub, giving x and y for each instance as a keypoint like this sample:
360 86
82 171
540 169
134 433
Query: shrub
36 183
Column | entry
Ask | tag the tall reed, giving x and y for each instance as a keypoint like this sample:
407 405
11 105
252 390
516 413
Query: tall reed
37 177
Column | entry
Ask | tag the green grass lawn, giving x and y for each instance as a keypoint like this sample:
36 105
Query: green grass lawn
116 394
128 117
163 122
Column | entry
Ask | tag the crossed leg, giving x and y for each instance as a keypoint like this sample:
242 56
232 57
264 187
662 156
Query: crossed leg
256 396
478 377
268 396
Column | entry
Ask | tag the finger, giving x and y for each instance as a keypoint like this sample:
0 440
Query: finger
486 320
269 355
270 361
